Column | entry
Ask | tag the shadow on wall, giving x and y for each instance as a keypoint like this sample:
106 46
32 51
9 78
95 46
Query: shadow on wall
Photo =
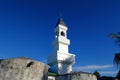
45 74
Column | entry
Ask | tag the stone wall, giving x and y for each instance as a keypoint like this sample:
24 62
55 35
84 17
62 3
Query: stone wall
76 76
51 77
22 69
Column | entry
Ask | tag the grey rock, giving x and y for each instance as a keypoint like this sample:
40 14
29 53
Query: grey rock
22 69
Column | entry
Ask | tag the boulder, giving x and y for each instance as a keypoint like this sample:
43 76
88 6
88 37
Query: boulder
22 69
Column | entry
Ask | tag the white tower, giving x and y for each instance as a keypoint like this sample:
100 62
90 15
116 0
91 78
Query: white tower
61 60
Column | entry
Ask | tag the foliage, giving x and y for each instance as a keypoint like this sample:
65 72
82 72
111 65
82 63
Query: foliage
116 37
96 73
52 74
117 55
117 59
118 75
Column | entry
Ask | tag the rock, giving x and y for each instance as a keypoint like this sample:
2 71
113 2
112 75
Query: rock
22 69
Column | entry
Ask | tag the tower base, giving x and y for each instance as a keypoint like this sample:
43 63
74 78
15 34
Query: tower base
61 63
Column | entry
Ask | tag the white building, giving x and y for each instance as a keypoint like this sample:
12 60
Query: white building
61 60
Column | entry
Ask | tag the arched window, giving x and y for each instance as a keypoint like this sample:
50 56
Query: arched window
62 33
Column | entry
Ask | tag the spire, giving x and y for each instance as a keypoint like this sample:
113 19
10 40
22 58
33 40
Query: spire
60 21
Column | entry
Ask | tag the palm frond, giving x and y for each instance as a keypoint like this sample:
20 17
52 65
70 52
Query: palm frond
117 59
116 37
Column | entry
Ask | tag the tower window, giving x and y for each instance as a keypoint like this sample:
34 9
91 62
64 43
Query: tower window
62 33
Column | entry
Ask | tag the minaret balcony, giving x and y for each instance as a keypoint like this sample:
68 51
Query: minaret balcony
66 58
67 61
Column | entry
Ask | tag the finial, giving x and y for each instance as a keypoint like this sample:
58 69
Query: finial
60 15
60 20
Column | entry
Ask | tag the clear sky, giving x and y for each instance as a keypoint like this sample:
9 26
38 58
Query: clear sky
27 29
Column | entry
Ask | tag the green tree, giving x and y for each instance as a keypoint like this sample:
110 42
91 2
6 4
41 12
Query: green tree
117 55
96 73
117 59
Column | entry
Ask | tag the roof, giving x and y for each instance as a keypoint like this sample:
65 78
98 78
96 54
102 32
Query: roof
60 21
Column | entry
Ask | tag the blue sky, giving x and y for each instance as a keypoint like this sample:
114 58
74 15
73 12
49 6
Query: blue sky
27 29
